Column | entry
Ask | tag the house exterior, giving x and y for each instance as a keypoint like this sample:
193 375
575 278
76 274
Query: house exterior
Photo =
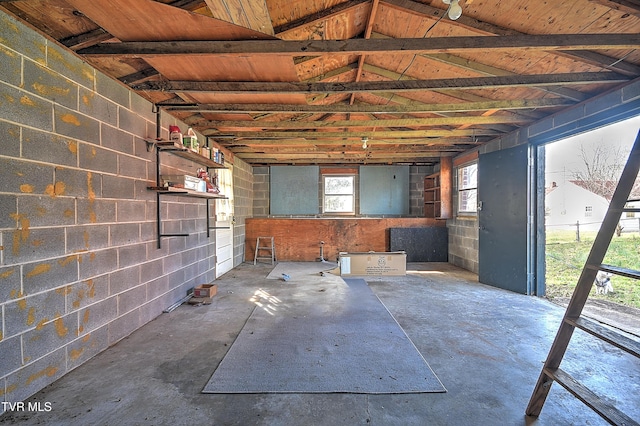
567 204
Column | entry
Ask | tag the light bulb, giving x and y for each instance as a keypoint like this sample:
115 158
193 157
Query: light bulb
455 11
364 143
446 1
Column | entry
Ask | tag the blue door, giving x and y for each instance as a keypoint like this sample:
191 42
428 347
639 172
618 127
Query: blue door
502 219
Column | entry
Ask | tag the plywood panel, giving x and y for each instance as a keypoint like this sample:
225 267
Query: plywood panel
146 20
284 11
251 14
249 98
299 239
200 68
345 25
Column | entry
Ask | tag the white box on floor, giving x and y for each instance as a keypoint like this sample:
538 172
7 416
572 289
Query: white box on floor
373 263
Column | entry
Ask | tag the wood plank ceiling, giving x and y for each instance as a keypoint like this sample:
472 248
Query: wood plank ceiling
307 81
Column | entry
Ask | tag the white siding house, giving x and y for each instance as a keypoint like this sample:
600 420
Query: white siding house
567 203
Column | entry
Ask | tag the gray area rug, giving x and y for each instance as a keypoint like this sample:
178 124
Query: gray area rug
325 335
297 270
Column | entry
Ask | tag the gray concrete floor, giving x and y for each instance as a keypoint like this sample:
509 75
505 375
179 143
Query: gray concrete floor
486 345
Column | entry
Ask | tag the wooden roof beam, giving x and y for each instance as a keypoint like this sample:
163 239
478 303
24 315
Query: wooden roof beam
367 35
380 123
365 108
139 76
90 38
378 134
384 156
423 142
230 48
382 86
428 161
489 70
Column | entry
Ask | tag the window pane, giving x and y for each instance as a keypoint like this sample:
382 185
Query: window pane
338 185
467 201
338 203
467 176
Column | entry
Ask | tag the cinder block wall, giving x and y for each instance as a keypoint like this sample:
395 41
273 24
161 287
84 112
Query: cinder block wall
79 264
243 206
463 243
416 192
261 191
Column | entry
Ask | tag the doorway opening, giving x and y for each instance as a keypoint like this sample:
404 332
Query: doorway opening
580 175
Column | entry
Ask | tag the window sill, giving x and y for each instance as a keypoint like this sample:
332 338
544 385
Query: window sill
467 216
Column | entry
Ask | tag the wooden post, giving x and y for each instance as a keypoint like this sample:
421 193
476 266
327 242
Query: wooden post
577 230
446 185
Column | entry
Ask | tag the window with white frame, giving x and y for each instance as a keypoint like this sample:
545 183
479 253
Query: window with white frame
630 215
338 194
468 188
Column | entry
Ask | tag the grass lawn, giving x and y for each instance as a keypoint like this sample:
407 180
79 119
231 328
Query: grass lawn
566 257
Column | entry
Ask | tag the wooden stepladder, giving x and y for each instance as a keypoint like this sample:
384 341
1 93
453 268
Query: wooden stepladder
573 316
270 248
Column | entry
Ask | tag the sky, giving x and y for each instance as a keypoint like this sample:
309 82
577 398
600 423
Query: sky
563 157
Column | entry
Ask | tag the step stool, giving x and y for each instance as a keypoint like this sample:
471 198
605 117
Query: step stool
268 248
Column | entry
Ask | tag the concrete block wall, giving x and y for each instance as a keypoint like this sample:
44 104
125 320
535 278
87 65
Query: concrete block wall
416 189
261 191
79 264
463 242
243 182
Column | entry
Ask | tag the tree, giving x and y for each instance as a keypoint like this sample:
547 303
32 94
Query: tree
602 168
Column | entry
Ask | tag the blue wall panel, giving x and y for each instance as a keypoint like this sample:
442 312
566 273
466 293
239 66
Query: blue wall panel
384 190
294 190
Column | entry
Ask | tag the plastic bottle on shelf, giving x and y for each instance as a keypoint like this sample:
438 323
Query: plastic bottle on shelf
191 140
175 135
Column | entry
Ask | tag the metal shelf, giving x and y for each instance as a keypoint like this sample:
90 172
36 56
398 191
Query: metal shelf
180 151
185 192
169 147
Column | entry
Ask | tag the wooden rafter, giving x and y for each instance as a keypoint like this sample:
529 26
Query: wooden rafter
488 70
382 86
434 143
139 76
378 134
406 122
365 108
90 38
367 35
413 46
385 156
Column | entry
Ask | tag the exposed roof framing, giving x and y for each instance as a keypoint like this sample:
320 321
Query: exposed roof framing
382 86
303 81
412 46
